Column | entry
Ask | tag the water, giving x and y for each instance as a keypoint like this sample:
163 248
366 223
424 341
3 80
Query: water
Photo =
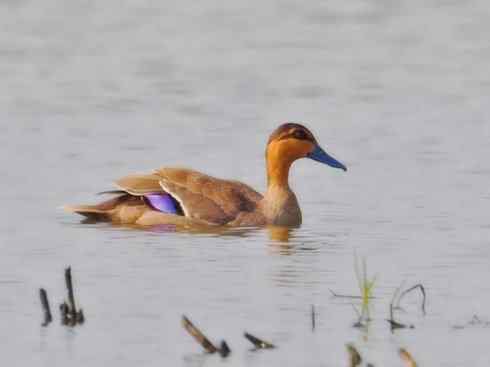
398 91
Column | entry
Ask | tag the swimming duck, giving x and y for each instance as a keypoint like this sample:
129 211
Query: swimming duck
179 196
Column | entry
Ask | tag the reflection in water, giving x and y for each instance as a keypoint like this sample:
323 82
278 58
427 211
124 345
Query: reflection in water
213 231
218 231
280 234
281 248
280 240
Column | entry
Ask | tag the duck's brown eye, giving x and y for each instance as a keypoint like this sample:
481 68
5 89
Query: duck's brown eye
300 134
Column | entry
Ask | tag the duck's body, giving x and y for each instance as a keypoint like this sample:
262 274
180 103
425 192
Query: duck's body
183 197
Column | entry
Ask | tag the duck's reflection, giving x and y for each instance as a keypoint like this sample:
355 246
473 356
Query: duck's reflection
280 234
282 240
279 240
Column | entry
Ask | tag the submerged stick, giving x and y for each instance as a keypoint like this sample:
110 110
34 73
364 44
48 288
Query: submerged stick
224 349
64 310
80 317
360 323
343 295
313 318
71 296
393 323
417 286
354 356
69 314
198 335
396 325
258 343
337 295
46 309
407 358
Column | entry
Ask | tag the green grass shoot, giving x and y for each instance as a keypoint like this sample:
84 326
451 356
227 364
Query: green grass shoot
366 286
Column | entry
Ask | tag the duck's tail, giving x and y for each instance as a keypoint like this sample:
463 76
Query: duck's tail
103 211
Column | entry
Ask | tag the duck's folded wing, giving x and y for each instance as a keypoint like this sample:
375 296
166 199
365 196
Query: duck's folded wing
140 185
207 198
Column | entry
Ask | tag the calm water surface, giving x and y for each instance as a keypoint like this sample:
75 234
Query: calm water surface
398 90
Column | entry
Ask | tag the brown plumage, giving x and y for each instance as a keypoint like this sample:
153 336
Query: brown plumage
205 200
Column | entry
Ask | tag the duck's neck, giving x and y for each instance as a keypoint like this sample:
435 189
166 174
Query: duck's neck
277 171
280 205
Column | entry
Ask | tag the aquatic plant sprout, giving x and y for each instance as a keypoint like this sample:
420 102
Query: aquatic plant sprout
366 287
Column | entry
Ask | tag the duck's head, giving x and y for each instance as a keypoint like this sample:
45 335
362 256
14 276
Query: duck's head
292 141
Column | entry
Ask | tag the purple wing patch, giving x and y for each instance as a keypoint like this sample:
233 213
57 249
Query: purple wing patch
162 202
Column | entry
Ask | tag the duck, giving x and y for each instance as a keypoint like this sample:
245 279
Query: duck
184 197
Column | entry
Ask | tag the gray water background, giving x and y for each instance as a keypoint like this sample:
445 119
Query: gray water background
397 90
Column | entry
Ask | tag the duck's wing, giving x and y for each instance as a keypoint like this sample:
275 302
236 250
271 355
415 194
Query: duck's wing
208 198
200 196
139 185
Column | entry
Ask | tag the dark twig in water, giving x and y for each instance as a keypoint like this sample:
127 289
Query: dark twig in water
71 296
337 295
45 304
361 319
407 358
354 356
313 318
258 343
397 294
64 310
224 349
198 335
417 286
396 325
359 324
474 322
69 314
393 323
80 317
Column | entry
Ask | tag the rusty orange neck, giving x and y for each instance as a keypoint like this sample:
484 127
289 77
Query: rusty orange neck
278 165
